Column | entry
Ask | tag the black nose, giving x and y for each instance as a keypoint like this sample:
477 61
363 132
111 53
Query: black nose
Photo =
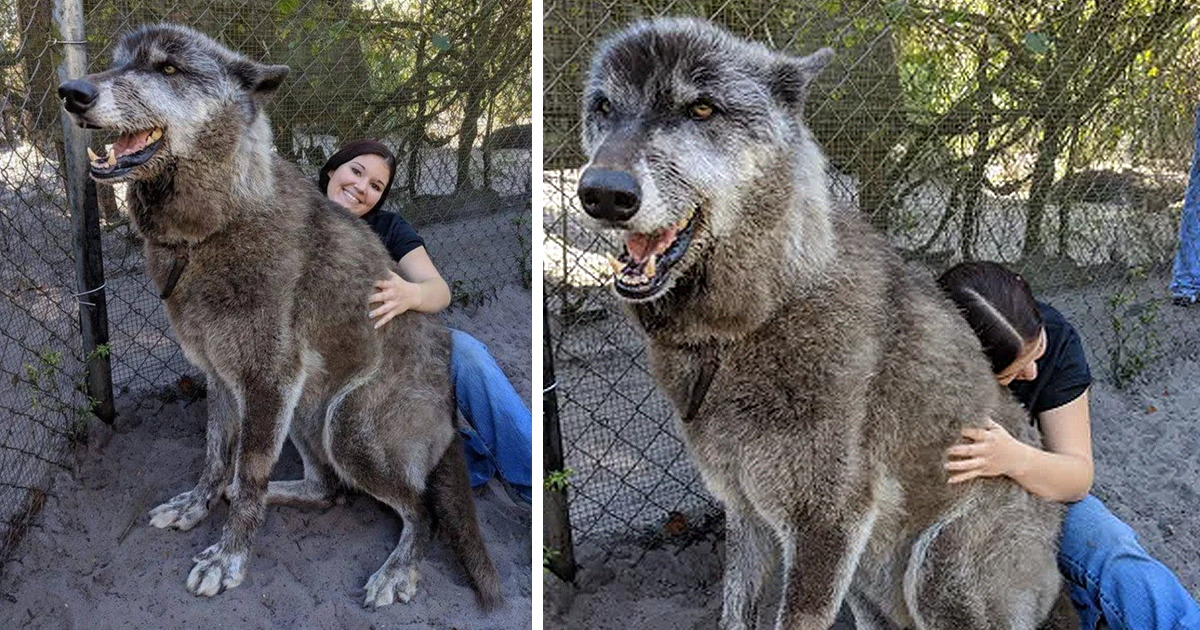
612 195
78 95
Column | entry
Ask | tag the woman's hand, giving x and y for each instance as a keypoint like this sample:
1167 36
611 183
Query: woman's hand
990 452
394 295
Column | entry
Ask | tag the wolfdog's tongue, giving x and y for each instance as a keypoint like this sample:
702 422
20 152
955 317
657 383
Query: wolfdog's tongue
642 246
131 143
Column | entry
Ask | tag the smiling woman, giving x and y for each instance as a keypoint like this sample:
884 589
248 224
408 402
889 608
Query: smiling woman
499 440
360 183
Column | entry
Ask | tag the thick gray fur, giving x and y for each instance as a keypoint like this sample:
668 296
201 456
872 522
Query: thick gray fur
839 374
272 305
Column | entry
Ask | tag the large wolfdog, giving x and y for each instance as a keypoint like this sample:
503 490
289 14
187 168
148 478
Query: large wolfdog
266 283
820 380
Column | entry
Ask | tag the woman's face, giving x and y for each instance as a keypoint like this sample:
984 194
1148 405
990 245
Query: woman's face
1025 367
358 184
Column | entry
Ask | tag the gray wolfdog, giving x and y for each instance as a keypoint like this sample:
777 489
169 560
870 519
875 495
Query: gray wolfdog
265 283
819 378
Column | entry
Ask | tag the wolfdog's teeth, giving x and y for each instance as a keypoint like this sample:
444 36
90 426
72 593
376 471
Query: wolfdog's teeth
155 135
92 157
112 157
615 264
650 267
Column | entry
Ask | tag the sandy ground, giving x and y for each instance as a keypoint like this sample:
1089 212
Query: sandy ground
92 560
1145 439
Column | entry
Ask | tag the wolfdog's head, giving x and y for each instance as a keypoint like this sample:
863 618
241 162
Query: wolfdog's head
173 95
685 125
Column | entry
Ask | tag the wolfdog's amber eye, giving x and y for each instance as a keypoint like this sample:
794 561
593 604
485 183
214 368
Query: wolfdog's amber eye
700 110
169 69
604 106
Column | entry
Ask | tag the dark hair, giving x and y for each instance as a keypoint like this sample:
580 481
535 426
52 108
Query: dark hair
351 150
999 306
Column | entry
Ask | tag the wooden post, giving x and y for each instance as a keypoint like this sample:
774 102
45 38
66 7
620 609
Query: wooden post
556 527
85 218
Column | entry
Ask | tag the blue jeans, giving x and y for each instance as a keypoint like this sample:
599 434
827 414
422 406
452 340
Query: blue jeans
1185 278
1112 577
500 435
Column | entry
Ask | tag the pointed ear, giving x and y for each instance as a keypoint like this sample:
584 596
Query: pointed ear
791 77
258 78
270 78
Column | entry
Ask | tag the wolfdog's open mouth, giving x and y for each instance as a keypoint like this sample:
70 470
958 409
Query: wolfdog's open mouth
130 151
644 266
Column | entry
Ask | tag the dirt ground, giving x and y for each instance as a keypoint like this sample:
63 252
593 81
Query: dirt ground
1145 440
92 560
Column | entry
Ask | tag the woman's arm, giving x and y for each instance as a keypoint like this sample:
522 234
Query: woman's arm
1062 472
418 287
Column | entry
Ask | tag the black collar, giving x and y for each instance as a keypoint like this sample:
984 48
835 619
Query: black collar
179 260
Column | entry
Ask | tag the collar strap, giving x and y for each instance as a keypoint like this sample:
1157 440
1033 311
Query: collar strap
179 260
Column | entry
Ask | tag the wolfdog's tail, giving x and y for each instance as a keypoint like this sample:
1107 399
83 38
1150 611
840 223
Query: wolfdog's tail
453 509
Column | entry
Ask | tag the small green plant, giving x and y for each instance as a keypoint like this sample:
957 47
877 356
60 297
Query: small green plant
548 556
39 375
460 295
525 256
1135 337
557 480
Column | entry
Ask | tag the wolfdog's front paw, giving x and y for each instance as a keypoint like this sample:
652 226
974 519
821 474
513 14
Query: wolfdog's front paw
182 513
385 587
216 571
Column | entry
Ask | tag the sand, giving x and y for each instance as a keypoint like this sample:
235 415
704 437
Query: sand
92 560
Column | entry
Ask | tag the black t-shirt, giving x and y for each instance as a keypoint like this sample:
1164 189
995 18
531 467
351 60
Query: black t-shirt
1063 373
397 235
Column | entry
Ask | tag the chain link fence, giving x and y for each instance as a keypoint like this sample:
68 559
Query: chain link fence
446 86
1055 139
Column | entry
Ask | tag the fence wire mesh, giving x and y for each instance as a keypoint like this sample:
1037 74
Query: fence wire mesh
1054 138
446 86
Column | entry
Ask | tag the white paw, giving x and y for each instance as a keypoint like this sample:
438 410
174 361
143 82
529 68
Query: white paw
182 513
216 571
385 588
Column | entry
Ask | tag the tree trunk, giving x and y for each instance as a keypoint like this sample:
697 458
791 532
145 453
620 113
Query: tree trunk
973 185
416 133
472 109
39 61
1041 183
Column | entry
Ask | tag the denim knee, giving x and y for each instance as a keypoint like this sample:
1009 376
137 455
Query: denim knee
465 349
1091 524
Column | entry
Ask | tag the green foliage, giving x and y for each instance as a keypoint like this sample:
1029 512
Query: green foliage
525 255
42 376
557 480
548 556
1136 344
461 295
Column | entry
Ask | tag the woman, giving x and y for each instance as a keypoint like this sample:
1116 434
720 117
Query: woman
1039 356
500 439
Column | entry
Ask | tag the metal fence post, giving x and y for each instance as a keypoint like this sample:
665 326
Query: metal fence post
85 219
556 535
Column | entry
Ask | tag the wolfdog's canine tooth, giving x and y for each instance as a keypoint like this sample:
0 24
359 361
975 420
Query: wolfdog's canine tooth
615 264
92 157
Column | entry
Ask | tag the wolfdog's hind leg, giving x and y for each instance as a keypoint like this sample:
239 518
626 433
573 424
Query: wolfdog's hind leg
320 484
750 559
184 511
867 616
302 493
397 578
981 574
